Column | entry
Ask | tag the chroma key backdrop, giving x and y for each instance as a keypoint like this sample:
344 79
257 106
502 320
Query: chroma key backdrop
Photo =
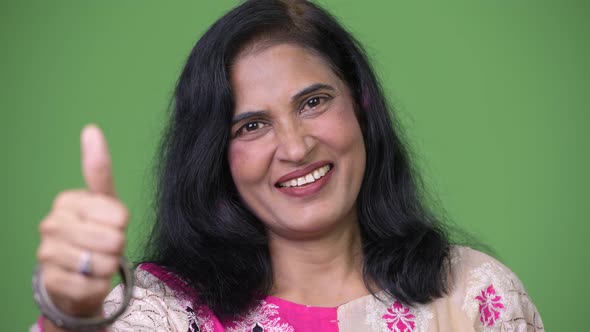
493 96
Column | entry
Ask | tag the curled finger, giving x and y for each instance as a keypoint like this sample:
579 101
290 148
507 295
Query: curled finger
76 259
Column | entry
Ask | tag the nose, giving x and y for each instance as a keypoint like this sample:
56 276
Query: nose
294 143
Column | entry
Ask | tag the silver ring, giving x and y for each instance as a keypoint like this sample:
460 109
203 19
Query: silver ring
85 267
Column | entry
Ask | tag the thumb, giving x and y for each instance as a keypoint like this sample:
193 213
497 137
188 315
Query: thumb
96 161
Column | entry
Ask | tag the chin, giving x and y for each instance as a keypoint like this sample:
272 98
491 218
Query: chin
304 228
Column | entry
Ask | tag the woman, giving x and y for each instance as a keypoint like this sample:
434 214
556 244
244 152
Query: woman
286 203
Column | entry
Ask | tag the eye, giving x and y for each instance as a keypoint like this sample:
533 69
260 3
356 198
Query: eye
315 105
313 102
250 128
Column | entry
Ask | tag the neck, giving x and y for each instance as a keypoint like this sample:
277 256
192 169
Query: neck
323 271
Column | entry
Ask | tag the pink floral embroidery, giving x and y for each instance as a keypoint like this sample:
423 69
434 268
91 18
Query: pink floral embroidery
399 318
489 306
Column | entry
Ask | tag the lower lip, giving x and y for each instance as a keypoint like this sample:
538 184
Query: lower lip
308 189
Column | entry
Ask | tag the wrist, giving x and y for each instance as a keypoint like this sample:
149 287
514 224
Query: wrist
64 321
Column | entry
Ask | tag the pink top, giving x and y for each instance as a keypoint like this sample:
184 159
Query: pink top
485 296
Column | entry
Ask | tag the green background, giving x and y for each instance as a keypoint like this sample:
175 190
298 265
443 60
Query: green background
493 94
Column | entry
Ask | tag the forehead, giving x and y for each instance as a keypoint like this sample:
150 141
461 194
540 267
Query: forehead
275 73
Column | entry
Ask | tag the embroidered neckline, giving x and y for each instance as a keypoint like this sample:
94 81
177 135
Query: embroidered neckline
272 298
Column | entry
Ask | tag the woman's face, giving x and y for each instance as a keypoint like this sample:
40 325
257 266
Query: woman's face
296 154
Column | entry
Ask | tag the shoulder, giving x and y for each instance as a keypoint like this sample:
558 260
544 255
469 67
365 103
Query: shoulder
489 293
150 282
161 301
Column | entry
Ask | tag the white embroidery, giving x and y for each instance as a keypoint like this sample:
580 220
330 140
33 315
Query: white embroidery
153 307
200 317
380 314
456 255
264 315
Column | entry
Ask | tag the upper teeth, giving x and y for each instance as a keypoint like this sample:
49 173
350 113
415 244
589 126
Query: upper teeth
308 178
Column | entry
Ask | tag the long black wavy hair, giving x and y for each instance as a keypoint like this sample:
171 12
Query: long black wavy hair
206 235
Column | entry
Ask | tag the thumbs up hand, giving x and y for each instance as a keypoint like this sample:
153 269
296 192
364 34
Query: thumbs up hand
96 162
83 235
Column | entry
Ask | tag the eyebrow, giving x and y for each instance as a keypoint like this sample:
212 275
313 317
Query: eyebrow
247 115
311 89
308 90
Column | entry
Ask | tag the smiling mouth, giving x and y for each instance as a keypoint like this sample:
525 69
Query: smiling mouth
308 178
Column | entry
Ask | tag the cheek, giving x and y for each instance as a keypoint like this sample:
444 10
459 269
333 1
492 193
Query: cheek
248 163
342 130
